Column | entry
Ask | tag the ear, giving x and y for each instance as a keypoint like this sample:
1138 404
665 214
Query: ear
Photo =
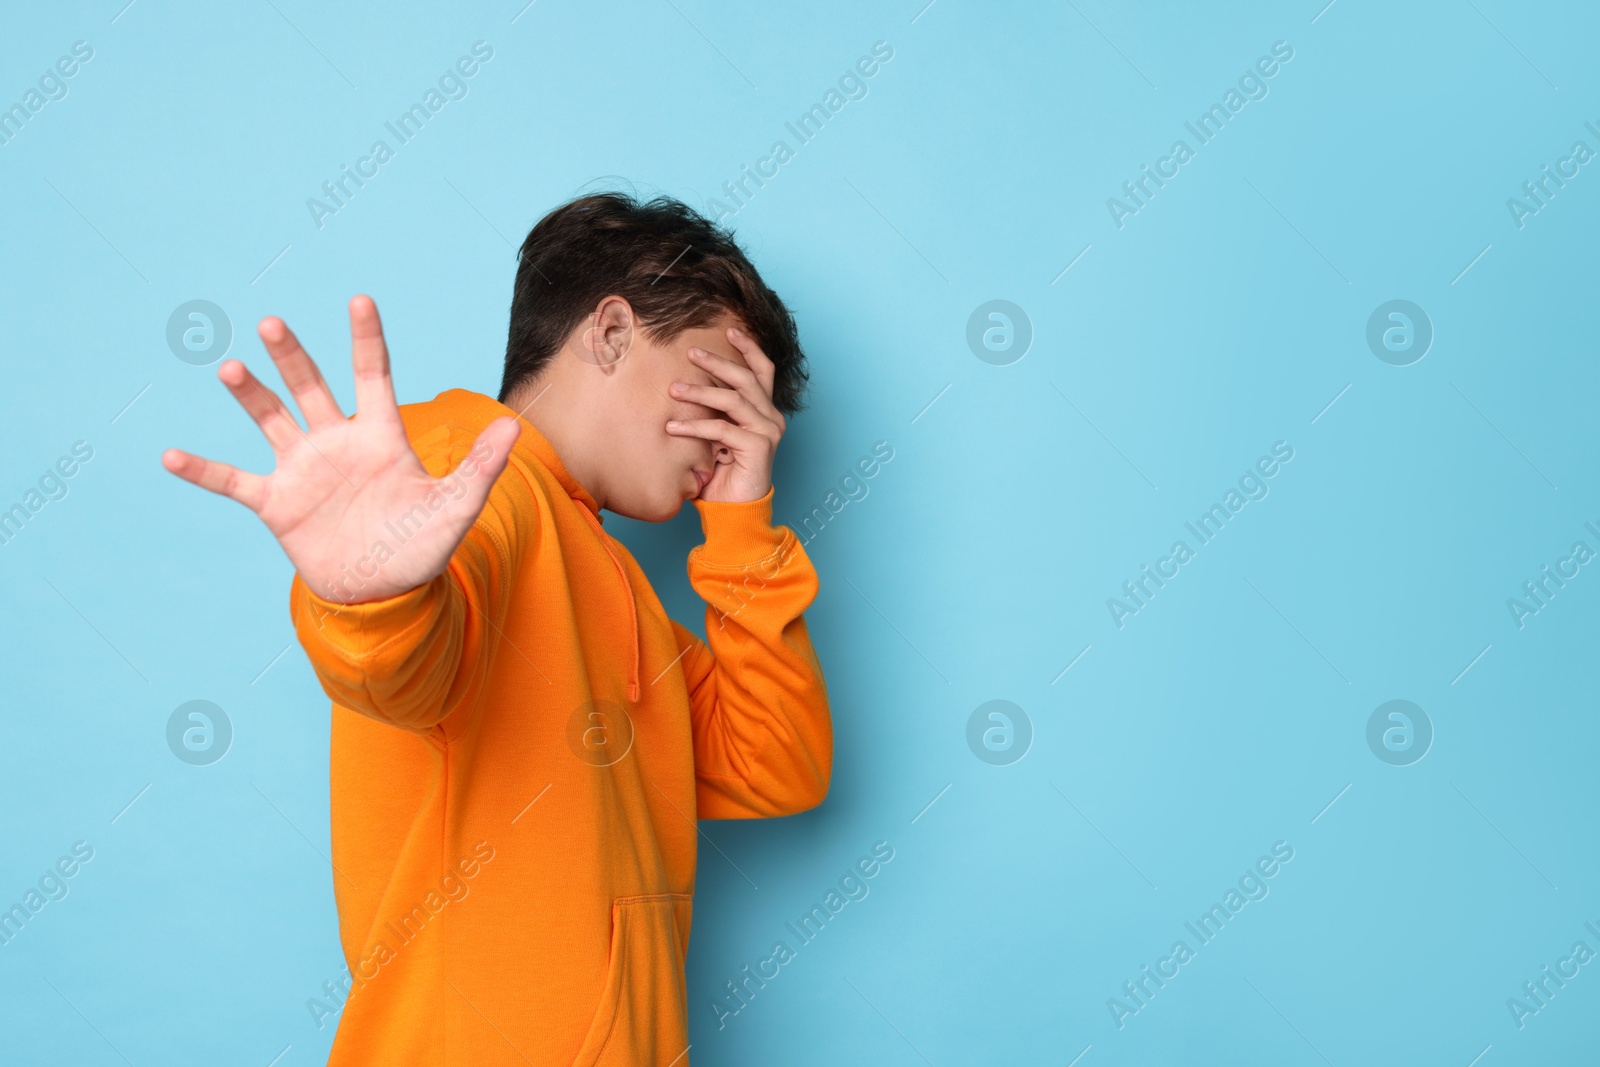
607 334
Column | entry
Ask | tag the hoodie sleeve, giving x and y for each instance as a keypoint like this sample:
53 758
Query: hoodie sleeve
763 735
418 660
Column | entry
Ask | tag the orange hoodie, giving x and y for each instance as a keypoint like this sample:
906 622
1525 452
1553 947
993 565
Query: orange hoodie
520 751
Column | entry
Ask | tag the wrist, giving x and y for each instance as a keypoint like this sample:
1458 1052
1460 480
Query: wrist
359 610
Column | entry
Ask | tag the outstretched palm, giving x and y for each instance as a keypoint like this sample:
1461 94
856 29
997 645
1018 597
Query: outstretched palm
340 482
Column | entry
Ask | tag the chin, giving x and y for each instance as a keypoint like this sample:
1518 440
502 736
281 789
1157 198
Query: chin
668 511
662 510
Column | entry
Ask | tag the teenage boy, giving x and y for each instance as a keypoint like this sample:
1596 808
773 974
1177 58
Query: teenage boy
522 740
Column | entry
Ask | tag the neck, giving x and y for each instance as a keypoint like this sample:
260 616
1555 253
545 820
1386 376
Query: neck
564 425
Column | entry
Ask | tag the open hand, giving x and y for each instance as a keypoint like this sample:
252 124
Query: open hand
342 484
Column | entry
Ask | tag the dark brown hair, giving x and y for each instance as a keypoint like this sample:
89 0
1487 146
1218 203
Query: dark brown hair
678 270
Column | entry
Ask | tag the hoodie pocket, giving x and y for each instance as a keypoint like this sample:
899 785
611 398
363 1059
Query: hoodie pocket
642 1019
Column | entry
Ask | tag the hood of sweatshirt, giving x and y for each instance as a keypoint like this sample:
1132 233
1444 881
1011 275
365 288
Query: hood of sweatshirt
474 411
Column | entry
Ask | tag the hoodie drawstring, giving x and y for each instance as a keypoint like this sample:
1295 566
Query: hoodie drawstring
633 614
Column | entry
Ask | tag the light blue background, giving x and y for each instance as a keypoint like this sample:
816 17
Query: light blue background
1225 316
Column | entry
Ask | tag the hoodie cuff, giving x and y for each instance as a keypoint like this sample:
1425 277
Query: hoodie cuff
738 534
